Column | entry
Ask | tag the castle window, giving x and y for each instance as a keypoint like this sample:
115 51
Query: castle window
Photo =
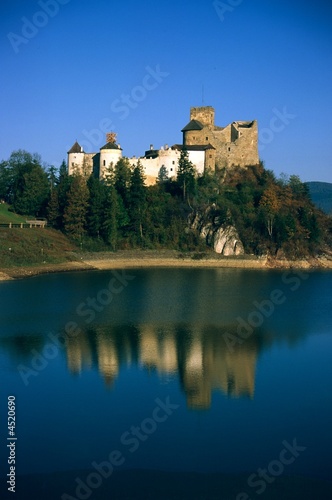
73 164
229 149
104 163
171 169
173 162
206 138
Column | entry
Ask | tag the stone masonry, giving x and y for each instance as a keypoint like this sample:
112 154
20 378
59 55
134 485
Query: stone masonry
235 144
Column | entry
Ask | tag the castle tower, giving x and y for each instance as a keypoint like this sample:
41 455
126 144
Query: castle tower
75 158
204 114
110 154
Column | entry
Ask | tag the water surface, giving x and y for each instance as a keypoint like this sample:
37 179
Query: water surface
193 378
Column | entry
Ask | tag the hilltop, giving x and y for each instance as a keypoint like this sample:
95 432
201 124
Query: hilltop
321 195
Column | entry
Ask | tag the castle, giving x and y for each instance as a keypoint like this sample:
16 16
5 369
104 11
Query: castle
210 148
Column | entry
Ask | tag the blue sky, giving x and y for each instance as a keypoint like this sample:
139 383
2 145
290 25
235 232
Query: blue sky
72 69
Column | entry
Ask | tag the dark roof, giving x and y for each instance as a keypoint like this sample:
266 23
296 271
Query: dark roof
193 125
202 147
151 153
111 145
76 148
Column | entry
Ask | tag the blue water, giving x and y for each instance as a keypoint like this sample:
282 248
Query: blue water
93 358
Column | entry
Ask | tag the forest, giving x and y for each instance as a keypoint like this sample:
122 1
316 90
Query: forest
272 215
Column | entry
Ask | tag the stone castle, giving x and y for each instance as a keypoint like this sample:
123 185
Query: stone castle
210 148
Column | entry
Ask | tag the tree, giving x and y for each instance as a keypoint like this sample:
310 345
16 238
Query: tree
186 176
24 183
270 205
162 175
52 211
111 216
5 181
122 174
63 186
53 179
32 191
95 206
137 199
76 209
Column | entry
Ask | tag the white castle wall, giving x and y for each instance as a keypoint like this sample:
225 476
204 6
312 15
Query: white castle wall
107 158
75 162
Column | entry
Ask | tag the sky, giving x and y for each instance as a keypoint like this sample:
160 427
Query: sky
75 69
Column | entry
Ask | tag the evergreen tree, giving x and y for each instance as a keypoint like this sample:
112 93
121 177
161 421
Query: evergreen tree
137 198
53 179
111 220
63 186
162 175
95 206
76 209
122 174
53 211
186 176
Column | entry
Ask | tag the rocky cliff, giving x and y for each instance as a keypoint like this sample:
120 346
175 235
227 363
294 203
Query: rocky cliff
222 237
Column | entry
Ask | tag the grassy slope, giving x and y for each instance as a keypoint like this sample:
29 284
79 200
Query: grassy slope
7 217
24 247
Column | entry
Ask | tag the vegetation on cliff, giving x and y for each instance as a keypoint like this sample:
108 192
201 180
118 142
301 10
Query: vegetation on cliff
272 216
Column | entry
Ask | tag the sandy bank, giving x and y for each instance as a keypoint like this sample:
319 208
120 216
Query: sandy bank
152 259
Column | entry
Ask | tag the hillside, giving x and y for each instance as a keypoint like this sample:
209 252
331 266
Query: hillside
26 247
321 195
7 217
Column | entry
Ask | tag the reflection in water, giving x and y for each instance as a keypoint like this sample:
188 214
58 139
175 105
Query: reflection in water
200 358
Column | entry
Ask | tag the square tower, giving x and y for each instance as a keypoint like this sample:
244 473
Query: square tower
204 114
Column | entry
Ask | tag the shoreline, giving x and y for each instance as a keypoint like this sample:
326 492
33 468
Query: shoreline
141 259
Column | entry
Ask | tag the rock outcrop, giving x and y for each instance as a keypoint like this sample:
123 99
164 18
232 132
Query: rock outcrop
223 238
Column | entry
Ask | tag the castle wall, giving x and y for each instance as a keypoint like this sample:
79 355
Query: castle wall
210 160
198 159
197 137
236 144
108 158
168 158
75 162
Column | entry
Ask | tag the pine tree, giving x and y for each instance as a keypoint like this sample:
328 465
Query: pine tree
122 174
110 222
63 186
76 209
96 206
186 176
137 198
162 175
53 211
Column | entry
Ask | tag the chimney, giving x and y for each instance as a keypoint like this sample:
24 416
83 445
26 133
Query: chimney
151 147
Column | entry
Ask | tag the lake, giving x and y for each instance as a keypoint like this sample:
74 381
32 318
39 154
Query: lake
168 383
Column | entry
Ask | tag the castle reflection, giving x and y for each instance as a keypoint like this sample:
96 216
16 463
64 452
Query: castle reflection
200 358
